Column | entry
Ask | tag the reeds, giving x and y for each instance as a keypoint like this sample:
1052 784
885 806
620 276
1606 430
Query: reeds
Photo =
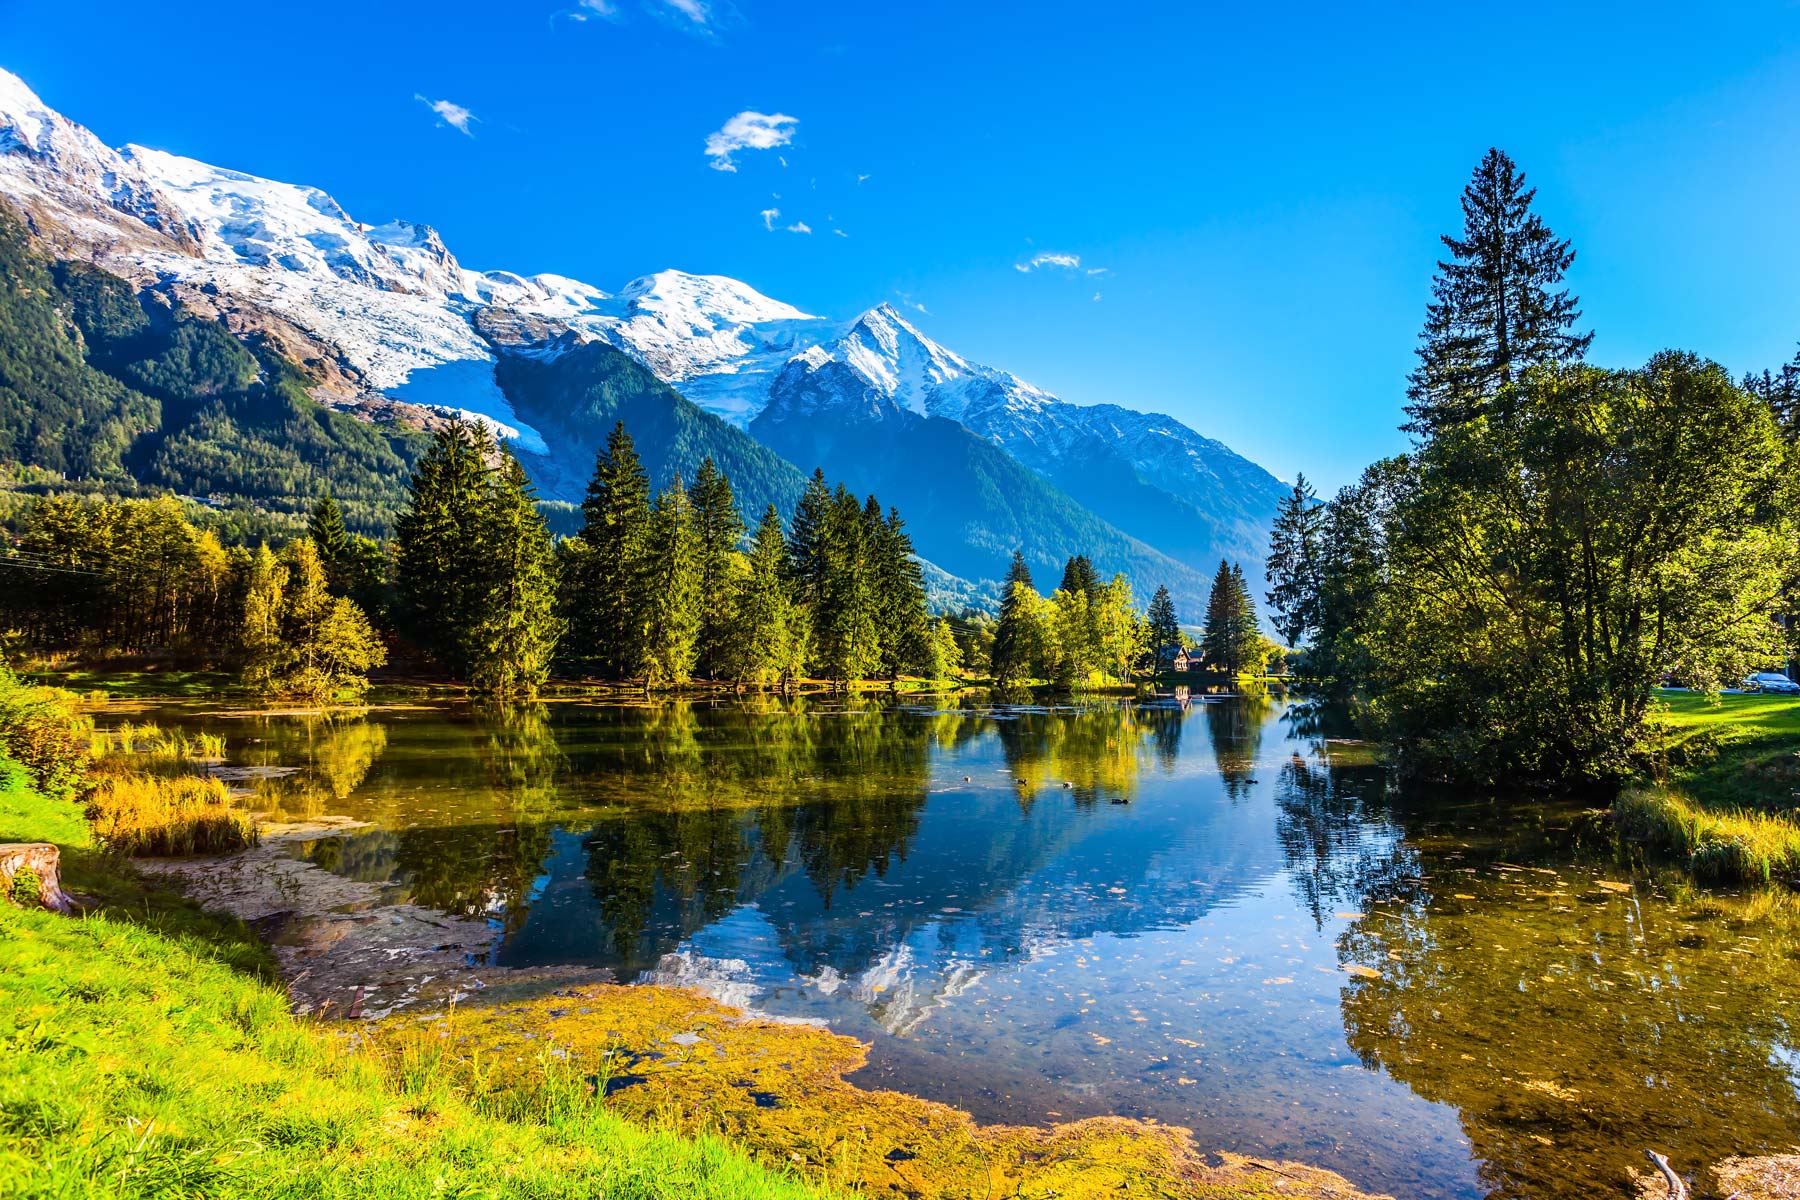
155 742
1732 847
158 815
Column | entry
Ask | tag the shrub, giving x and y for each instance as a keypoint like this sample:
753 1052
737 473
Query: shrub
159 815
40 728
26 889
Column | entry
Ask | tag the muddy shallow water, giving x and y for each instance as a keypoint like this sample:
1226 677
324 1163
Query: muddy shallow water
1210 914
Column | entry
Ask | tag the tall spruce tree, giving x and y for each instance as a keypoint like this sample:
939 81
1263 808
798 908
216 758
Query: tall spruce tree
1230 640
607 594
673 612
514 642
325 526
1496 305
807 542
719 528
1293 565
1780 390
1164 629
844 618
439 551
1014 635
902 623
1079 576
769 637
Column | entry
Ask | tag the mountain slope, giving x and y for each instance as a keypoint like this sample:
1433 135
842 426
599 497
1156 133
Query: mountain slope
103 389
575 397
1148 477
967 504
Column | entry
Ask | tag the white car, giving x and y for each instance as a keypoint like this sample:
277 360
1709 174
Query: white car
1773 682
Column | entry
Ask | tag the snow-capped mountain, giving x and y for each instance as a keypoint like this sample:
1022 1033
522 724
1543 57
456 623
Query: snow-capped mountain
384 316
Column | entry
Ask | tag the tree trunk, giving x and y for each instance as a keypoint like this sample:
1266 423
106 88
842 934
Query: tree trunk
41 859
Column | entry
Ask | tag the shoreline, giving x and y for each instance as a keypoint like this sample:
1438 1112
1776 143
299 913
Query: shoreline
388 974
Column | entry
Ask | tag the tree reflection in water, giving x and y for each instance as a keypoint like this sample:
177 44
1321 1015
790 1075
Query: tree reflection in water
929 874
1503 965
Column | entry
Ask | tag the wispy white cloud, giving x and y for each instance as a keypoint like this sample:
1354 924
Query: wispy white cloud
768 215
449 113
1098 270
589 10
840 233
860 179
748 131
799 227
1047 258
697 11
1096 295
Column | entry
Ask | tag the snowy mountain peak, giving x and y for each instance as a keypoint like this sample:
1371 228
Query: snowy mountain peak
705 302
246 220
57 168
26 122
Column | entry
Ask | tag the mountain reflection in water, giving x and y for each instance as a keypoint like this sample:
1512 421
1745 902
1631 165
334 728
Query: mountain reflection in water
1214 914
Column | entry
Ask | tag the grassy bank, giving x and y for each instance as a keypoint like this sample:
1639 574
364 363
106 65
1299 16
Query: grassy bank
1740 751
1727 800
148 1052
1729 847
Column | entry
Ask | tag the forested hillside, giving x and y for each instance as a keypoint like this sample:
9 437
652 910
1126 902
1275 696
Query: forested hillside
575 398
121 394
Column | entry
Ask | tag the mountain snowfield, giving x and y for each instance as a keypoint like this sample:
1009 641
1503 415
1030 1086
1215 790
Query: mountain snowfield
385 312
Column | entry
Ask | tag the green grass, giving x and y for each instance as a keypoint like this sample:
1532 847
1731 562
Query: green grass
1740 751
26 816
1724 801
147 1053
133 683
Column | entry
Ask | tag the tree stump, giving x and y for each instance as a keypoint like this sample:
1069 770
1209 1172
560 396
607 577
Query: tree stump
41 858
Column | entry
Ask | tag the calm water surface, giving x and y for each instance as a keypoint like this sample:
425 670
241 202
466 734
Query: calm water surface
1210 914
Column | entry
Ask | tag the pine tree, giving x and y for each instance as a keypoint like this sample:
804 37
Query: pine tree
514 642
1780 390
1293 565
1079 576
769 640
673 611
1496 309
902 625
1015 637
720 528
807 543
439 547
1230 640
844 617
326 529
606 594
1164 630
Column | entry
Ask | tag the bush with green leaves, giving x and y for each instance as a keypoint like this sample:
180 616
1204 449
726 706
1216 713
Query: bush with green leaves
41 729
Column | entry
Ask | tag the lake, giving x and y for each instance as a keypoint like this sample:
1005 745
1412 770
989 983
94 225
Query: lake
1209 913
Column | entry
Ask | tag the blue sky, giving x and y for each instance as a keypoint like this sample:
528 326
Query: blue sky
1261 191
